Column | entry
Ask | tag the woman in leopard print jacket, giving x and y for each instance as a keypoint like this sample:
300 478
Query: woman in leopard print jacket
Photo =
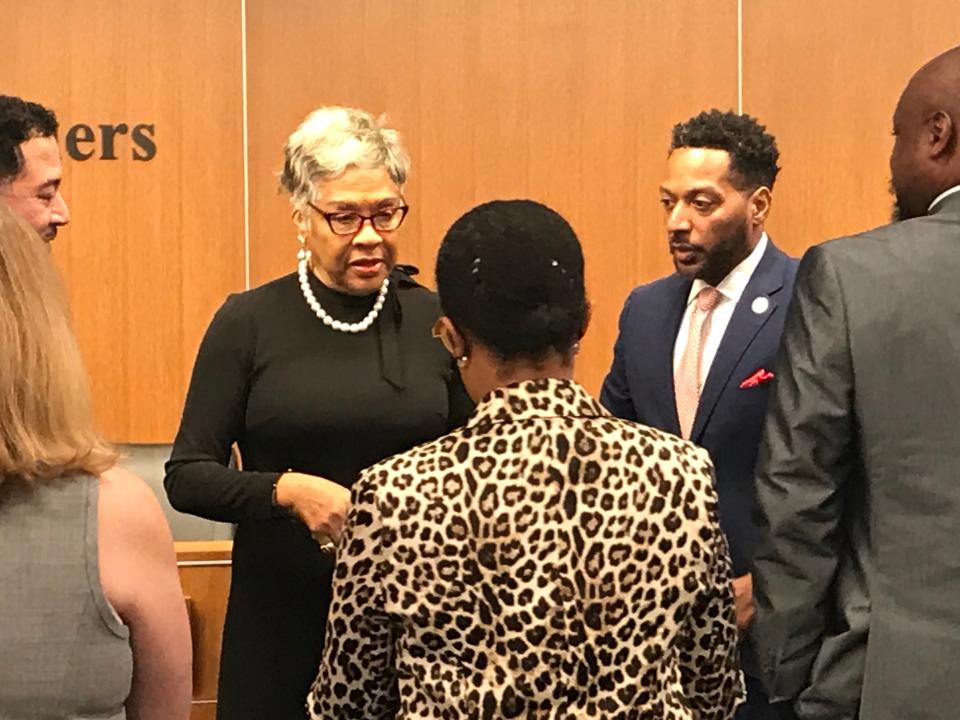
546 561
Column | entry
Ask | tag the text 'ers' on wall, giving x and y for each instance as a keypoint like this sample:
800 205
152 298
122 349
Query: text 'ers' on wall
83 142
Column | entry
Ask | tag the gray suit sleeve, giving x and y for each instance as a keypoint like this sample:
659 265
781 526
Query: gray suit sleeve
805 466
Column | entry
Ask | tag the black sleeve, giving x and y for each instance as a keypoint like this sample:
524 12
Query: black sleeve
198 480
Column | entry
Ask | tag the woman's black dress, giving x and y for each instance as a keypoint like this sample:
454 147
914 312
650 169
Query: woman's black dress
295 394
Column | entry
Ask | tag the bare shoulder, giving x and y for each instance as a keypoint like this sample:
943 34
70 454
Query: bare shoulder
138 572
129 504
135 544
123 484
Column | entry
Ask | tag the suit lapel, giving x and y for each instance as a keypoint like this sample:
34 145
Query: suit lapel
745 324
676 304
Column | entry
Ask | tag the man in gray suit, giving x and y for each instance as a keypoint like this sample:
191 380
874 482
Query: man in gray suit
857 577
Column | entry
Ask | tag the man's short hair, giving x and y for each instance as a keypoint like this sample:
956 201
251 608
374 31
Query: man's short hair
753 151
20 121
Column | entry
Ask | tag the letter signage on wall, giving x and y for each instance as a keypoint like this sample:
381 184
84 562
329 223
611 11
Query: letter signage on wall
110 142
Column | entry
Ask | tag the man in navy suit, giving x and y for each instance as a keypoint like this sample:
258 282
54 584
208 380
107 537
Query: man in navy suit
696 348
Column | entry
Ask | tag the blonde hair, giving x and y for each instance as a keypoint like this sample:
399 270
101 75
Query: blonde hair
46 428
332 139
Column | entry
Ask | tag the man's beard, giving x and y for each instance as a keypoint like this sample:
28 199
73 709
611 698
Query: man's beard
900 212
729 251
896 212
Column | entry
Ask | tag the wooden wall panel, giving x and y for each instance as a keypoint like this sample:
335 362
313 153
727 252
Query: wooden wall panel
205 578
564 101
154 247
203 711
825 77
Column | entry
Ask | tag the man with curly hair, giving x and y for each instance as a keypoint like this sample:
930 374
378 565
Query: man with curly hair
30 169
696 349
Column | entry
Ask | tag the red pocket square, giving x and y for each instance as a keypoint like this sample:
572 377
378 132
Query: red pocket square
760 376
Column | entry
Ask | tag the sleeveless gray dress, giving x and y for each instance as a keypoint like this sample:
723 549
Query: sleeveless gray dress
64 653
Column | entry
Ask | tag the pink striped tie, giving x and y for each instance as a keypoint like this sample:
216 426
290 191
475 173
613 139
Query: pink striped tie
687 381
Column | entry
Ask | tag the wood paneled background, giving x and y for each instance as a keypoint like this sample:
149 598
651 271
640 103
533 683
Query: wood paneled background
154 247
564 101
825 77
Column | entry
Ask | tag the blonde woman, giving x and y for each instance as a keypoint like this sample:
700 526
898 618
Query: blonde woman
92 619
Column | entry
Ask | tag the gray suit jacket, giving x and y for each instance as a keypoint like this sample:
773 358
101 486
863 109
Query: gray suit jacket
857 580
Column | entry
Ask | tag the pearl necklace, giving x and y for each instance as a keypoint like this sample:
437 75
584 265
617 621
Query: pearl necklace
357 327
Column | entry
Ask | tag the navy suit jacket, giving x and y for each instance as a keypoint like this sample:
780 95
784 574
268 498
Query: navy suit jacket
729 418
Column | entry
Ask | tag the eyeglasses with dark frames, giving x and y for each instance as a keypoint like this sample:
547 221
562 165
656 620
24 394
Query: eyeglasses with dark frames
350 223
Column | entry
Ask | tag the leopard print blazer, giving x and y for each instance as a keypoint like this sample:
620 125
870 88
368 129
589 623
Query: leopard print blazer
546 561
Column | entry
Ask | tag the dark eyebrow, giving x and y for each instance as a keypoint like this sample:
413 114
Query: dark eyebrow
353 207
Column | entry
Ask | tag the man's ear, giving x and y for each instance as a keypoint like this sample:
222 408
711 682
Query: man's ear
940 135
760 202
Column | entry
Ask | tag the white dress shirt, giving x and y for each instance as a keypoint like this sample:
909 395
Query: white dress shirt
941 196
731 288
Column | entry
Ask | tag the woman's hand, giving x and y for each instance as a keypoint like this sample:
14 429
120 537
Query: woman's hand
321 504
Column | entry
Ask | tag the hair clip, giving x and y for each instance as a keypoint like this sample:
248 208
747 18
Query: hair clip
475 269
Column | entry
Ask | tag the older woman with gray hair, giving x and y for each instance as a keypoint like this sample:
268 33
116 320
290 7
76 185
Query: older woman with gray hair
314 376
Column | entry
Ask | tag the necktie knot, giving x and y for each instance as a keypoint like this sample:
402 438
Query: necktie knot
708 298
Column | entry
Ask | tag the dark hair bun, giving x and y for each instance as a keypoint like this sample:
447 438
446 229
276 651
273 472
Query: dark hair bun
510 273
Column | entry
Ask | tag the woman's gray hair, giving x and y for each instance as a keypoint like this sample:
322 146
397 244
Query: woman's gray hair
332 139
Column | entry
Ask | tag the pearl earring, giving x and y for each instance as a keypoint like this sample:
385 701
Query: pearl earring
303 253
462 361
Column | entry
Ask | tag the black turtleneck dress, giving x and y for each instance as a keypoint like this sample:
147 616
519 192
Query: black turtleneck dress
295 394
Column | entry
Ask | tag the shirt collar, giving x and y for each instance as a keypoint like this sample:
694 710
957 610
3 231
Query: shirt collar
543 398
943 196
733 285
